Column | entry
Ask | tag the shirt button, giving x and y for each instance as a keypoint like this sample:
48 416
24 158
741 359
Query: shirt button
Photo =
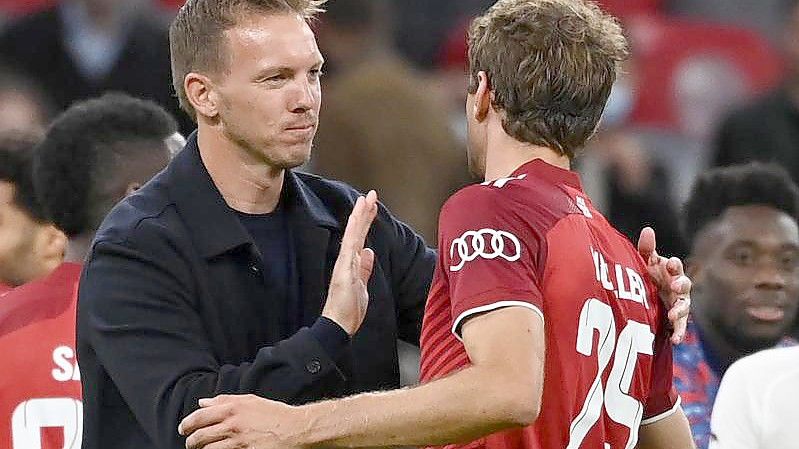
314 366
254 269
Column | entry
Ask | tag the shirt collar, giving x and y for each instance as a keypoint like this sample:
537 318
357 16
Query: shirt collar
548 172
215 228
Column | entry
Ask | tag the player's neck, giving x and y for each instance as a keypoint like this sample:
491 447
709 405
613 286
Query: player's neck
78 248
247 183
505 155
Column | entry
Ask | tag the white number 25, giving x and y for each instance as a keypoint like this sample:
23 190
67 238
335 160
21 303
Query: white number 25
636 338
31 416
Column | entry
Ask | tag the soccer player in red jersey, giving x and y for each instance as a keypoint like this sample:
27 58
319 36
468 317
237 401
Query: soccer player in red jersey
94 153
544 328
30 246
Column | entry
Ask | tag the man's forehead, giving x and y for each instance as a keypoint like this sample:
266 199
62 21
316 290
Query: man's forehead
273 36
755 224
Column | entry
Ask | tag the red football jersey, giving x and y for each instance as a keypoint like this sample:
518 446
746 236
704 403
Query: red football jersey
534 240
4 288
40 394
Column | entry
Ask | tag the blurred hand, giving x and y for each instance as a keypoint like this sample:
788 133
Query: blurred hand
674 285
347 297
247 421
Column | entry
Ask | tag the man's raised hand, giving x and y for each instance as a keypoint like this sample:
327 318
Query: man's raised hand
347 297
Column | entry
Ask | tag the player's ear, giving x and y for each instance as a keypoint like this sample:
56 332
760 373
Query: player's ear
482 98
200 93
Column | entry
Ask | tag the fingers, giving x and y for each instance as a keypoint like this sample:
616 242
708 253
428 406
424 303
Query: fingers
678 315
367 263
674 266
204 417
201 438
647 244
681 286
359 222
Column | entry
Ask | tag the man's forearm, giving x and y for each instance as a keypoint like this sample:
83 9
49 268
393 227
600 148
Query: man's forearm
459 408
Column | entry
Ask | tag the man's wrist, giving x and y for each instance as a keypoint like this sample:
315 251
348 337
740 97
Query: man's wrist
318 430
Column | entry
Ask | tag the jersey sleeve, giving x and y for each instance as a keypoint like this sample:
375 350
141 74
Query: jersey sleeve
490 255
663 399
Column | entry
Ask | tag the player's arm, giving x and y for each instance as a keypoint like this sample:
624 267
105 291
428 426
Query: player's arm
501 389
672 432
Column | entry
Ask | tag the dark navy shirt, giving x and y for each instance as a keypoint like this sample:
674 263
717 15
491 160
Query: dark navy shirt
272 237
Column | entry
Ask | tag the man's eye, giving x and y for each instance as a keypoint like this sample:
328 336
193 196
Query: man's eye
742 256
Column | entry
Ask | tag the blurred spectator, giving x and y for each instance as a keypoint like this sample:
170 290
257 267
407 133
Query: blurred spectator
624 181
756 405
689 75
768 129
23 106
93 155
81 48
30 247
741 225
380 127
421 26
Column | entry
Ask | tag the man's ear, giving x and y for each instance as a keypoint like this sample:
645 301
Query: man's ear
482 98
53 242
200 93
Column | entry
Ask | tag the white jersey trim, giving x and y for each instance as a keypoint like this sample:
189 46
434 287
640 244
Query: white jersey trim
663 415
490 307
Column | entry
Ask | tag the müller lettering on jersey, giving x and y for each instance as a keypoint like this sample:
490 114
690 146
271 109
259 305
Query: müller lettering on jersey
632 290
66 364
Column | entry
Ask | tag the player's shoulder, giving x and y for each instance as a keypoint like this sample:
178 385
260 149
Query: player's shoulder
766 363
474 195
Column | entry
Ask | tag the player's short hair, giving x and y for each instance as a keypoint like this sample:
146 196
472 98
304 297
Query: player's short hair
750 184
16 168
550 65
92 146
196 36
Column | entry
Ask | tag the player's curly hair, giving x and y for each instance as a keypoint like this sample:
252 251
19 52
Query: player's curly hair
196 36
754 183
16 161
91 147
550 65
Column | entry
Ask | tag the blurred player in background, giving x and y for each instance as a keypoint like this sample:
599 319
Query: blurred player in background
756 404
93 155
522 248
30 247
741 225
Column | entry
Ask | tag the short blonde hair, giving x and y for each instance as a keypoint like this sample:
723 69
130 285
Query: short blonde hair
196 36
550 64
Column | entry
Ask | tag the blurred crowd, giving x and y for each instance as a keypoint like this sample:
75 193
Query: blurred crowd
710 83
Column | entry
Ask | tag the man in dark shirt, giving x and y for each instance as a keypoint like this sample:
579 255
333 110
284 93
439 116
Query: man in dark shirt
213 277
768 129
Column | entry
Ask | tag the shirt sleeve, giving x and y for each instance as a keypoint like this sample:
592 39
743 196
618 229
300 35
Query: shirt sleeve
663 399
490 255
734 420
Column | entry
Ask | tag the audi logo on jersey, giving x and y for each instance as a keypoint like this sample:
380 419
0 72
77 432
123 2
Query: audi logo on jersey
485 243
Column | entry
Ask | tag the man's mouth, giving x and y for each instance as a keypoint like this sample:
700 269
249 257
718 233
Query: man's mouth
765 313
